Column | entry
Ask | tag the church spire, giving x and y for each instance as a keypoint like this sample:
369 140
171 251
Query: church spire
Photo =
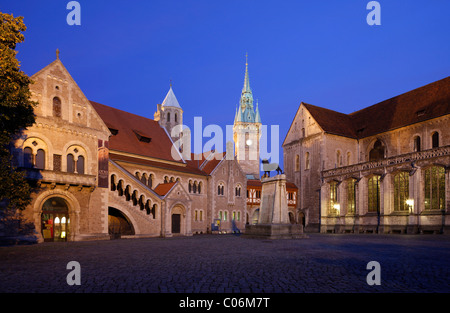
246 95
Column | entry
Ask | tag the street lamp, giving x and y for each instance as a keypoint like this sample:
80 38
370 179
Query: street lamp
410 204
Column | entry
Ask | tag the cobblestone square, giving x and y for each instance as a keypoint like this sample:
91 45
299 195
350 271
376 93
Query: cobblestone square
231 264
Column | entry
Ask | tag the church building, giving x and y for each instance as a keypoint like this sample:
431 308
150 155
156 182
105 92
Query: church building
382 169
103 173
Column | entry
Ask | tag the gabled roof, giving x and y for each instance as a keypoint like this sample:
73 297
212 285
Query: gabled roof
163 189
129 125
421 104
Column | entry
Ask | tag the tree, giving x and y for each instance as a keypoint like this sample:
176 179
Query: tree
16 114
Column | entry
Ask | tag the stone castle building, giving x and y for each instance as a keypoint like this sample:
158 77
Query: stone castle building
382 169
101 172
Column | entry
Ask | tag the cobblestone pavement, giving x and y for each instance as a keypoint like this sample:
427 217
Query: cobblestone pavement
228 263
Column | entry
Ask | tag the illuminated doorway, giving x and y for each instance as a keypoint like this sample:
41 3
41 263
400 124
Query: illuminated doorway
55 220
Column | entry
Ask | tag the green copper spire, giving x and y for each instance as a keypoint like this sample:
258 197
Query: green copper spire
246 95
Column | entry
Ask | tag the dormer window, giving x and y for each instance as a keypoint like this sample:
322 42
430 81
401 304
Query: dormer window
142 137
113 131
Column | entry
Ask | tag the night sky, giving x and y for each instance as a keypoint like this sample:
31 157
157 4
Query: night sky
125 53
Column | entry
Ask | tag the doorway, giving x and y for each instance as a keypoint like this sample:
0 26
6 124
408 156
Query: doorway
176 223
55 220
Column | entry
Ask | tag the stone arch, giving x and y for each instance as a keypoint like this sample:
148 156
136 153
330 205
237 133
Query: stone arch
73 211
119 224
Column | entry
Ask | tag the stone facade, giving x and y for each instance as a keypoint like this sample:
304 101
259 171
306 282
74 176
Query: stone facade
104 173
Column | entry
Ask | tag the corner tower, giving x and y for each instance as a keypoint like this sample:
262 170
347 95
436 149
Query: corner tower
247 131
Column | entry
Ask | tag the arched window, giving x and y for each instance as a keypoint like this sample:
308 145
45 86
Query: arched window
199 187
194 189
70 163
351 195
435 140
220 189
168 116
401 191
238 191
113 183
349 158
80 164
56 107
377 153
40 159
417 147
297 162
190 186
28 157
144 179
435 188
338 158
307 161
176 118
150 180
333 209
374 193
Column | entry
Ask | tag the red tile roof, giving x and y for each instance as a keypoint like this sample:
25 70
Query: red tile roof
163 189
421 104
128 126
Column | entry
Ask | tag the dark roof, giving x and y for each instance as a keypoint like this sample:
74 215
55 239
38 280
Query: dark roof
421 104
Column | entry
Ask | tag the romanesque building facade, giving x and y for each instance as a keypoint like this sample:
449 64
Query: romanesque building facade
103 173
383 169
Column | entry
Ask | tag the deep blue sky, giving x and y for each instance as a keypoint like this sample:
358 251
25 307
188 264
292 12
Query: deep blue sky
322 52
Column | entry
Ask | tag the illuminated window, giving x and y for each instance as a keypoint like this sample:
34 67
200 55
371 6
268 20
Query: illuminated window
333 198
374 193
351 196
435 188
401 191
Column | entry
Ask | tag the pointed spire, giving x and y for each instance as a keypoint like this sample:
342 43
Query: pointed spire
246 95
257 116
170 100
246 79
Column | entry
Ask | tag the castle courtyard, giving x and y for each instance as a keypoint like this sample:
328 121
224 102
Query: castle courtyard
331 263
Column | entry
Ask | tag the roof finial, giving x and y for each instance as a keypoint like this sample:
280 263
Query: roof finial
246 58
170 83
57 53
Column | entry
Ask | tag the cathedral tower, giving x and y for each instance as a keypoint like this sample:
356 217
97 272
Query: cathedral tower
247 131
169 114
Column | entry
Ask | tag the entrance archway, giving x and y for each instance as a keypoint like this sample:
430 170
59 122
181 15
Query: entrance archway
55 220
118 224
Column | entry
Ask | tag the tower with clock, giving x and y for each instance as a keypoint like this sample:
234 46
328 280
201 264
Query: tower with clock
247 131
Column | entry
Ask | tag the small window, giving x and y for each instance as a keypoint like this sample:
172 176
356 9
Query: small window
56 107
168 116
435 139
70 163
28 157
176 118
80 165
417 144
40 159
307 161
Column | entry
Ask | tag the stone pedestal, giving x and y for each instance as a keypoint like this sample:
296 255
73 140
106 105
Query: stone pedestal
273 222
